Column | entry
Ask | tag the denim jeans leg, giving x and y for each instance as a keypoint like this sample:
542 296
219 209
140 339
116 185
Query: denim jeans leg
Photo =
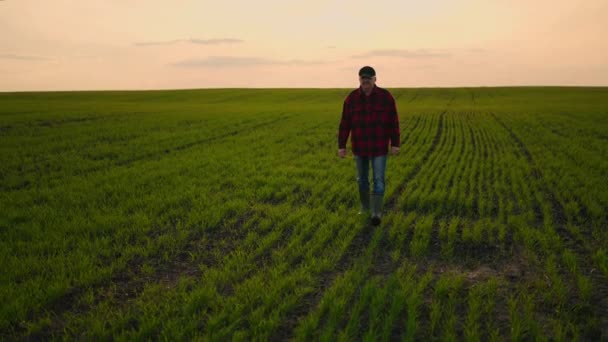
362 164
379 168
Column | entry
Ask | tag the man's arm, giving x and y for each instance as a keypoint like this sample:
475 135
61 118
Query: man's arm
395 131
344 129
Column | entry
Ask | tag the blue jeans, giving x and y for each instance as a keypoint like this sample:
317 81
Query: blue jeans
378 167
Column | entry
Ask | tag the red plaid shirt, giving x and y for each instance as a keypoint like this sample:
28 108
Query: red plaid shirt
372 122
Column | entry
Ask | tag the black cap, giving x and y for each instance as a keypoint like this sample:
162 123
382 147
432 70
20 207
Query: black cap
367 71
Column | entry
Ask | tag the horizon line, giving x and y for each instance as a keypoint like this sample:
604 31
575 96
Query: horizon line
294 88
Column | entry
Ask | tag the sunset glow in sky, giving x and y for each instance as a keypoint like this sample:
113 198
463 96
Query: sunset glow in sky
150 44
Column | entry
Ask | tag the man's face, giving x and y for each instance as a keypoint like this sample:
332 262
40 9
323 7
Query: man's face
367 83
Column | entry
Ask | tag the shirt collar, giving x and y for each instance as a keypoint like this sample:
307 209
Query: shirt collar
374 91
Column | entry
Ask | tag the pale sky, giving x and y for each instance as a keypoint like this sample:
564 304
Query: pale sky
152 44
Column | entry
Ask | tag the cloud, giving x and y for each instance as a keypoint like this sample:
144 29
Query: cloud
231 61
24 58
215 41
192 41
478 50
410 54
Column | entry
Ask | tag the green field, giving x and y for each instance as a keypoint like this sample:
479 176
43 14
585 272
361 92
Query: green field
226 214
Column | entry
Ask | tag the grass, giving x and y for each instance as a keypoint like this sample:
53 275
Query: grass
226 214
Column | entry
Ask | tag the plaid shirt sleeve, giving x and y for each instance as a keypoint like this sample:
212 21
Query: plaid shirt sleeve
345 124
395 132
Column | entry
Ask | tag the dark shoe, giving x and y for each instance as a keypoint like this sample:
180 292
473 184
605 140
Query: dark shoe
375 220
364 198
376 206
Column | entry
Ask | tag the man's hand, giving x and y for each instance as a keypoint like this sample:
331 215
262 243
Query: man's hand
394 150
342 153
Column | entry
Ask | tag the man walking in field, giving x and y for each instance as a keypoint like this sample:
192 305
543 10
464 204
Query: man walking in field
370 117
